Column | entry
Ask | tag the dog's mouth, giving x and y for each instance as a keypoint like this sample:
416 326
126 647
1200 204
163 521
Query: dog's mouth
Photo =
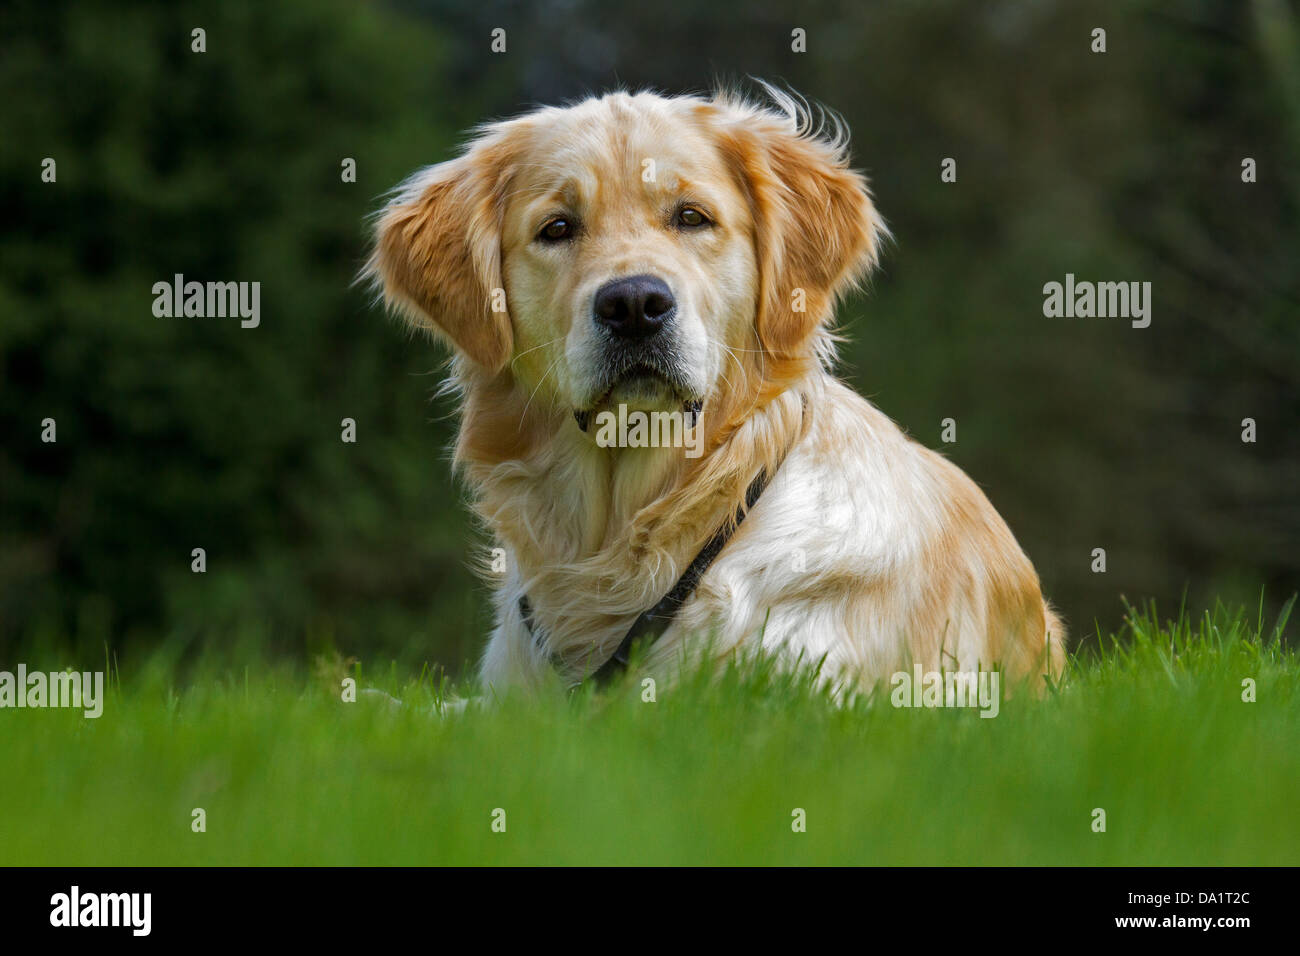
640 377
642 385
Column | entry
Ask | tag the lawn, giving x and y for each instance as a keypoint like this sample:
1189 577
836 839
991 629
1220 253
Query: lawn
1151 728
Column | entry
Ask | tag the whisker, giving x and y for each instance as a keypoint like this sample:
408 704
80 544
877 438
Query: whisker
533 349
540 383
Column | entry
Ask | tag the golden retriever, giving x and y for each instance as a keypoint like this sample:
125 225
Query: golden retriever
684 255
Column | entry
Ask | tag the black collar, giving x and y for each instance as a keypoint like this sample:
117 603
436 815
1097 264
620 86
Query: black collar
651 624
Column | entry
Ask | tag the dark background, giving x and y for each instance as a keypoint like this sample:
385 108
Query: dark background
183 433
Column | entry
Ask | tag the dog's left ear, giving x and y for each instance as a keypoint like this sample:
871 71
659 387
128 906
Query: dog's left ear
816 229
437 252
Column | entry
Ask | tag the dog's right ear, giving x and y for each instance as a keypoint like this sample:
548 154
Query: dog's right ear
437 250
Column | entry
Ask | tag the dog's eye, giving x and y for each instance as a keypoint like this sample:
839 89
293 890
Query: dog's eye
688 217
556 230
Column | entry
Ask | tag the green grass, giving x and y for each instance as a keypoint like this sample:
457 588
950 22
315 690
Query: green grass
1152 728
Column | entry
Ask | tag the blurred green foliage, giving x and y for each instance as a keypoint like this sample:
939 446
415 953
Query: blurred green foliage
183 433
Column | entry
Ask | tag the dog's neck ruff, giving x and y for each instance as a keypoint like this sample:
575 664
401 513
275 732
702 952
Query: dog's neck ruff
651 624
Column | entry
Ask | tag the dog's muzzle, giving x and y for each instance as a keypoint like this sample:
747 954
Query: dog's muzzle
635 319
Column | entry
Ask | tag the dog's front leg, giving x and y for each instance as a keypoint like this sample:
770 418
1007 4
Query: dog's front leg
513 660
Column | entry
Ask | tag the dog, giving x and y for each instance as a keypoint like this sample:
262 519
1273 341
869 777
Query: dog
639 254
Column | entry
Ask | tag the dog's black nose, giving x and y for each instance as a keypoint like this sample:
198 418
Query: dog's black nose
634 308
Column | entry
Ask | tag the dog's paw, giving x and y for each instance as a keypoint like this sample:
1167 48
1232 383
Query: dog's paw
376 696
447 707
455 706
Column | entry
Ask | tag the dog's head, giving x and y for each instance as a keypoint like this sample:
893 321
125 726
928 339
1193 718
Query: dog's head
631 249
